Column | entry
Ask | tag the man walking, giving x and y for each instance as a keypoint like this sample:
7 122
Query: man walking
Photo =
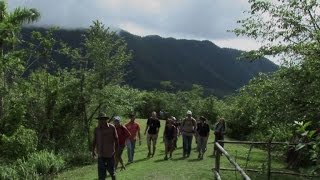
188 128
105 144
203 134
134 129
153 126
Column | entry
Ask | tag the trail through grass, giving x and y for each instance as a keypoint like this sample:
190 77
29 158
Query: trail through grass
181 168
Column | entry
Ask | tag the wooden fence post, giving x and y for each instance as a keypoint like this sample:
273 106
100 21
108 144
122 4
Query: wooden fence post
269 159
217 159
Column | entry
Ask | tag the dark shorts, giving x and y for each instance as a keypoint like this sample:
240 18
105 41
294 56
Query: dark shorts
169 143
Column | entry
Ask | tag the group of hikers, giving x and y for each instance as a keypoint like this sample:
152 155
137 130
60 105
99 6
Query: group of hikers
109 140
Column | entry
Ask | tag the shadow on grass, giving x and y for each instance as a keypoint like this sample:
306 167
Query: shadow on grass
160 160
193 160
178 159
140 160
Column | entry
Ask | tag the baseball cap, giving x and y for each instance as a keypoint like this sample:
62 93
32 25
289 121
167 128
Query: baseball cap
189 112
117 118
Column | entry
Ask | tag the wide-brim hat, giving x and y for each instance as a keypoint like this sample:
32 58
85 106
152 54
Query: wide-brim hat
102 116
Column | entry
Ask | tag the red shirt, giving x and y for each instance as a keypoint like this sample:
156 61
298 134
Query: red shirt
104 140
123 134
133 128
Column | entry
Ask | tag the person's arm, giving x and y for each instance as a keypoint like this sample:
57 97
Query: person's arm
147 126
194 122
208 130
127 132
94 143
116 139
175 135
139 135
158 128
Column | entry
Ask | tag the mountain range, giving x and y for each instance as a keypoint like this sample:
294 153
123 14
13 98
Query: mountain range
179 62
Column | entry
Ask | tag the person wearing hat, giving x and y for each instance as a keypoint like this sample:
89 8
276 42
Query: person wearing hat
188 128
134 129
176 123
203 131
123 135
105 143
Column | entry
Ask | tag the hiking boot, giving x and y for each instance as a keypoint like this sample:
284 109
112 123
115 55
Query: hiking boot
170 156
149 154
199 156
166 158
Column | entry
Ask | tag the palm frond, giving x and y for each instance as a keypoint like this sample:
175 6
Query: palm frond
23 15
3 8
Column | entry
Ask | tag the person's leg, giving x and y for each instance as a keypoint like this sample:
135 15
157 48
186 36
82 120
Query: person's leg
133 145
129 150
166 149
119 158
154 144
199 147
149 144
110 167
222 138
199 144
101 168
171 147
204 149
189 144
184 139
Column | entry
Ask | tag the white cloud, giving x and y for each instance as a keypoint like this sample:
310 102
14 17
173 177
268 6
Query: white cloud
244 44
187 19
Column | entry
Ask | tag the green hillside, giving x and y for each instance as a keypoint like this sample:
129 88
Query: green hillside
182 62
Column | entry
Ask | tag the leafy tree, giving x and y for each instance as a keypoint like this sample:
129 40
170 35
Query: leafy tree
289 27
11 60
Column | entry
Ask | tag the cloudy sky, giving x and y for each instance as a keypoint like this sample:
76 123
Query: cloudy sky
187 19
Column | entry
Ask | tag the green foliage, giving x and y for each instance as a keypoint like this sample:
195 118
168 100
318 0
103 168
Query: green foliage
288 27
308 145
78 157
20 144
8 173
45 163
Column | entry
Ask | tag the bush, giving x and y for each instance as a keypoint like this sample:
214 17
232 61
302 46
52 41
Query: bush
77 158
19 145
45 163
8 173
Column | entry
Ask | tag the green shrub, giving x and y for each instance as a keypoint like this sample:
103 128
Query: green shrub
45 163
8 172
25 170
19 145
77 158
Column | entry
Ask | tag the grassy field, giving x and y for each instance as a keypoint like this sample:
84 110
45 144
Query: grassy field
179 168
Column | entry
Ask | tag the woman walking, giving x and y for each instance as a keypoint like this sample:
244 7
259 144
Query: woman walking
219 132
